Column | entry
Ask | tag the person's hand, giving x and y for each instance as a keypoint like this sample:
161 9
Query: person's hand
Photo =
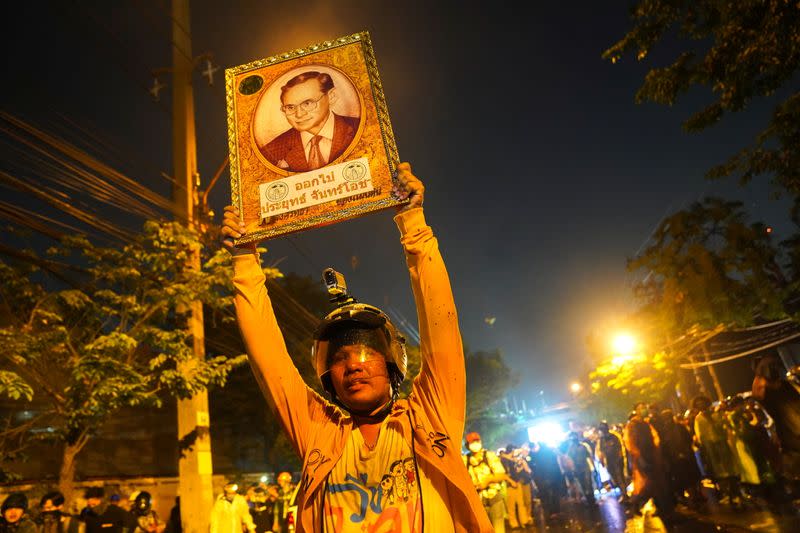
233 228
409 187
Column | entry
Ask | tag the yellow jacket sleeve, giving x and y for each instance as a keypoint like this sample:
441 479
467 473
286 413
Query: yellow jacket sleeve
440 387
292 400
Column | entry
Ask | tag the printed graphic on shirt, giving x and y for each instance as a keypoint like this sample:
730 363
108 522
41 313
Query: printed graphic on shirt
374 491
388 504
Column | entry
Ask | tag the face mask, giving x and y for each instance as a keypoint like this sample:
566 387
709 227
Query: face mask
475 447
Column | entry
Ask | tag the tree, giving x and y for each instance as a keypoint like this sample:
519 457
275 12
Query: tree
488 381
706 268
617 385
115 338
740 51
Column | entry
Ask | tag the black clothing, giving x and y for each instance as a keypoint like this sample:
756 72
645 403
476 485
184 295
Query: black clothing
110 519
23 525
783 405
548 478
515 468
263 517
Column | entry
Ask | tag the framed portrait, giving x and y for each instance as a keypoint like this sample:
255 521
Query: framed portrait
309 137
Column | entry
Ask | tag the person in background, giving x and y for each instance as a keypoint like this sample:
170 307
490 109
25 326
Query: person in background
52 517
580 453
781 399
101 517
15 515
283 502
742 437
489 478
548 477
174 524
611 454
518 498
146 519
230 513
262 508
649 479
712 437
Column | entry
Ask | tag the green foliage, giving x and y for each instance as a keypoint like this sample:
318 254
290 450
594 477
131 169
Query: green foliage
14 387
617 385
707 266
739 51
116 338
414 364
488 380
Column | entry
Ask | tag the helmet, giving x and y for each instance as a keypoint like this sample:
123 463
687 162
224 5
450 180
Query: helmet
472 436
376 329
284 477
142 503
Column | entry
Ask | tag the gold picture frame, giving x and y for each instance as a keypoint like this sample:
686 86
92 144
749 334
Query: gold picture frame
287 177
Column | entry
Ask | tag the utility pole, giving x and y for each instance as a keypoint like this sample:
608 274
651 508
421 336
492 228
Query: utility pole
712 372
194 463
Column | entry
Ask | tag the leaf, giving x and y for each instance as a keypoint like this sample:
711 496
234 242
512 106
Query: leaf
14 387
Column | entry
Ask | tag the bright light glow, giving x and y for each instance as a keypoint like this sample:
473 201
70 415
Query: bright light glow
623 344
620 360
549 433
575 387
263 479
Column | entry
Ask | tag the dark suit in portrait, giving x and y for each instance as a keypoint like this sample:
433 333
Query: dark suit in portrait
288 146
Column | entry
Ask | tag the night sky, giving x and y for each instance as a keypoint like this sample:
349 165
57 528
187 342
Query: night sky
542 174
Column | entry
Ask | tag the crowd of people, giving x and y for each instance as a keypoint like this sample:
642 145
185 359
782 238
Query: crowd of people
743 449
262 508
93 513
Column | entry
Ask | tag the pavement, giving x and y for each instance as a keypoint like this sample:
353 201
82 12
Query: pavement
609 516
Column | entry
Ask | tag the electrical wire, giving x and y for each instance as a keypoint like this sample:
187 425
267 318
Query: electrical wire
691 366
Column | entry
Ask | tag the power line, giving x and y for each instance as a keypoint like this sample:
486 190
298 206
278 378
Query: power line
85 159
778 342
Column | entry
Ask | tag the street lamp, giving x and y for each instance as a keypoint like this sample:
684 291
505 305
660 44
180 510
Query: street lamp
623 344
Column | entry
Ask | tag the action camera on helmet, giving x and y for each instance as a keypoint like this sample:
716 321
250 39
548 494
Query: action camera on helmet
337 328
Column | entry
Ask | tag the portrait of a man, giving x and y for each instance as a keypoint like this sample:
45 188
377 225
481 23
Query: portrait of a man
316 136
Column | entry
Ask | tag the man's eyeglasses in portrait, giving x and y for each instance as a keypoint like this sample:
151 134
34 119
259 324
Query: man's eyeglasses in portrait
306 105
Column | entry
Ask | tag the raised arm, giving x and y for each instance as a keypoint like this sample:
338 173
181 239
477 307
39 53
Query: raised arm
441 384
292 400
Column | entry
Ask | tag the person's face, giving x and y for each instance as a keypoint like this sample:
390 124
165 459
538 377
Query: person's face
307 91
360 378
48 506
13 514
475 446
93 502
